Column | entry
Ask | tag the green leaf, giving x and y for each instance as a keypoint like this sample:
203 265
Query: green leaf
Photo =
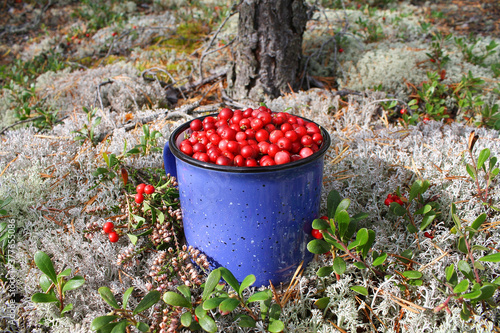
380 259
126 296
359 216
495 257
186 319
67 308
465 313
487 291
332 203
483 156
415 190
246 321
371 239
133 238
411 228
320 224
478 221
120 327
229 304
230 279
424 210
66 272
426 221
451 275
397 209
461 244
342 218
359 265
472 295
185 291
412 275
148 301
464 267
108 297
43 262
143 327
318 246
44 298
259 296
322 303
343 205
463 286
212 303
212 281
324 271
276 326
477 247
471 171
101 321
360 290
45 283
247 282
362 236
205 321
497 281
175 299
73 283
275 311
339 265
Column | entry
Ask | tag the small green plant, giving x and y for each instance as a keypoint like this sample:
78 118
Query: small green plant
88 130
432 96
120 318
472 289
148 142
437 54
468 48
215 296
54 285
490 117
374 31
486 164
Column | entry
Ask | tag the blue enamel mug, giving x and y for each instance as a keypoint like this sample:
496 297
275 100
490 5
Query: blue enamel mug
250 220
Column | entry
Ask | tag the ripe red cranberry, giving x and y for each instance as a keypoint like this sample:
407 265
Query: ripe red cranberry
305 152
225 114
282 157
140 188
261 135
196 125
139 198
306 141
250 162
113 237
317 234
275 135
149 189
108 227
223 160
284 144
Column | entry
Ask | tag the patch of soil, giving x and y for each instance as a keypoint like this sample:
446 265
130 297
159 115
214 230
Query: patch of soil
466 16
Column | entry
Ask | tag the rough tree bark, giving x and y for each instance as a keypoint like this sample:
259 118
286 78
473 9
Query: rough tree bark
269 48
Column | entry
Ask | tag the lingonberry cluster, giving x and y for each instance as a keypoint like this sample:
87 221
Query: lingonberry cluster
109 228
251 138
393 198
141 190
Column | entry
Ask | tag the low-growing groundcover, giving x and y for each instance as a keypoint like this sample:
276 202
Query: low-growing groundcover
410 192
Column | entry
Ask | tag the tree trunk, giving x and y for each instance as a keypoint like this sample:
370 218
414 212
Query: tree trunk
269 48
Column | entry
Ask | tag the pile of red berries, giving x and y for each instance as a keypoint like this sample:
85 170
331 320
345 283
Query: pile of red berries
141 190
251 138
392 198
109 228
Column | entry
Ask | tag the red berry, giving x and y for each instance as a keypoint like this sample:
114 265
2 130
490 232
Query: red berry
387 202
324 217
398 201
87 35
428 235
134 27
403 111
113 237
432 60
140 188
149 189
108 227
282 157
139 198
317 234
426 119
114 34
196 125
305 152
341 50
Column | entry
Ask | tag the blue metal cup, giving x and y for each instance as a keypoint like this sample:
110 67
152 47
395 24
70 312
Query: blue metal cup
251 220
